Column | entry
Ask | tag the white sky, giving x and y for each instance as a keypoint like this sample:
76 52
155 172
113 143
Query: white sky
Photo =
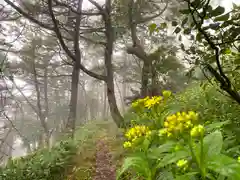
87 4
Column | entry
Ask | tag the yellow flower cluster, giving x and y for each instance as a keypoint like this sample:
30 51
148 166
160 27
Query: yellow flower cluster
179 122
148 102
183 164
134 133
152 101
197 130
140 102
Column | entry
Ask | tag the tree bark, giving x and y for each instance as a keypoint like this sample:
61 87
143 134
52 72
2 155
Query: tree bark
75 74
109 33
70 126
145 78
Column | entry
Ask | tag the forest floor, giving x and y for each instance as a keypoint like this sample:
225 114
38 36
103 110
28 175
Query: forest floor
100 153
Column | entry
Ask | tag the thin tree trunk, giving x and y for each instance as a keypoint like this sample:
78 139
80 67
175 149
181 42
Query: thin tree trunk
109 33
145 79
41 115
104 115
75 75
70 126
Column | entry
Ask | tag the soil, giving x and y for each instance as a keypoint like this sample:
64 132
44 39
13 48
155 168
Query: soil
104 170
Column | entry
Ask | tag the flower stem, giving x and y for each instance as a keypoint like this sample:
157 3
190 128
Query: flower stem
203 173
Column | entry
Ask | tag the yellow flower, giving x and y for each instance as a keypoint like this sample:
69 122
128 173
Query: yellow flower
135 132
169 134
148 133
127 144
188 124
172 118
139 102
180 127
162 132
166 94
134 139
239 159
182 163
166 124
180 118
193 115
197 130
149 103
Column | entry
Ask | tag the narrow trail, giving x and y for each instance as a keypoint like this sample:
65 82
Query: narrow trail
100 153
104 168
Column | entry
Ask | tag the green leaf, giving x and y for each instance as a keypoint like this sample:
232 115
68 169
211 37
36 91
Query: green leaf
185 20
235 6
146 144
212 145
224 17
209 8
225 166
218 11
174 23
152 27
226 51
165 175
199 37
180 38
172 158
216 125
138 164
184 11
214 26
182 46
187 176
163 25
177 30
156 153
187 31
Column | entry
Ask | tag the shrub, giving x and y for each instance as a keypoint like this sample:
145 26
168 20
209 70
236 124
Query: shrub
190 135
44 164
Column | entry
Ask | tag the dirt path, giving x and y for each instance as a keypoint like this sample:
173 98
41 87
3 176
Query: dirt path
104 169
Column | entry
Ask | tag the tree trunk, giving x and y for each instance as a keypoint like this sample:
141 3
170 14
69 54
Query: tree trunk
109 33
104 113
154 88
145 78
75 74
70 126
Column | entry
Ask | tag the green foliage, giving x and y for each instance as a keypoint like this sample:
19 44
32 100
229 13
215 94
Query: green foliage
44 164
207 153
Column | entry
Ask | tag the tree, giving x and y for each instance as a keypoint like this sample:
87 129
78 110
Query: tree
72 29
223 42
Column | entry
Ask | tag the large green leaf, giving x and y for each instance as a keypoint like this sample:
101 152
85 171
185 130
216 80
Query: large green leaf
217 125
225 166
212 144
138 164
156 152
187 176
165 175
224 17
218 11
172 158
